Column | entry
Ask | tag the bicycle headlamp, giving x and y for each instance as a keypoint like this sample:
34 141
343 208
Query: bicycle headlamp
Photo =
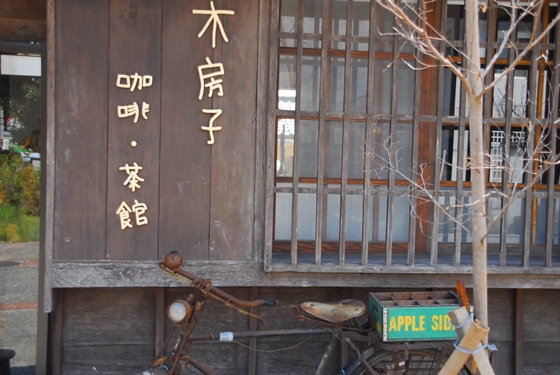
179 311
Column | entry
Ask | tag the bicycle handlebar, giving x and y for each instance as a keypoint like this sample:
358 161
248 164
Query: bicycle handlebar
173 262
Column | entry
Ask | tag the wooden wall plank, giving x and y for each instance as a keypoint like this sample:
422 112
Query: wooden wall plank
81 139
113 330
134 47
541 314
501 322
519 302
541 358
223 358
48 169
185 155
16 30
24 9
233 154
241 273
502 360
261 130
107 360
110 330
56 332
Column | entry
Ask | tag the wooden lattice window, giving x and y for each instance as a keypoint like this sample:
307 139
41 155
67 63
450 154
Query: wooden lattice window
347 100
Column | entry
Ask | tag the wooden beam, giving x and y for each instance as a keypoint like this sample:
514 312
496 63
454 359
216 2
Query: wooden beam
471 339
160 320
519 332
147 274
259 233
42 316
253 326
24 9
58 319
22 30
47 167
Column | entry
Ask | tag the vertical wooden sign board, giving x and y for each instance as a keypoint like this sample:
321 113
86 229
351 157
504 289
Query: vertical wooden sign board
185 155
135 174
233 154
207 190
134 128
80 186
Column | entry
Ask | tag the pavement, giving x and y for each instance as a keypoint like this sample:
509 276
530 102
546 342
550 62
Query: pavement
19 278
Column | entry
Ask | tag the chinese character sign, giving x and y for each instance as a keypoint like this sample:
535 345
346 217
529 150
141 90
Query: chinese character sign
211 74
133 180
214 19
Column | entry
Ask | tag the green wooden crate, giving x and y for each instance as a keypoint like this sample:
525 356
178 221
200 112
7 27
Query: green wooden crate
414 316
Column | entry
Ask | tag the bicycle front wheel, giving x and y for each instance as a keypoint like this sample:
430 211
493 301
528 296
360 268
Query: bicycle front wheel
418 362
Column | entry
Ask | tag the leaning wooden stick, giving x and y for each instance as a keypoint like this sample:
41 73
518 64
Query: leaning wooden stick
460 318
458 358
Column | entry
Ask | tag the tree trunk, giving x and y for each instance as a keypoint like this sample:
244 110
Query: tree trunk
479 229
478 180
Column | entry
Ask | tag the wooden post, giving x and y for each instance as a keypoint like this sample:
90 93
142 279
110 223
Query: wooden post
160 320
458 358
253 326
458 317
519 332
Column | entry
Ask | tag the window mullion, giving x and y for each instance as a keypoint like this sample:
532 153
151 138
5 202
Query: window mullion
532 112
345 125
506 172
437 162
319 222
552 136
460 210
297 124
418 111
391 155
272 102
369 124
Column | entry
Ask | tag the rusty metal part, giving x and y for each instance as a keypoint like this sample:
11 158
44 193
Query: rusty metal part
188 328
263 333
160 354
326 355
209 294
200 367
173 260
399 362
363 360
206 288
439 345
172 263
177 356
366 337
159 361
295 312
335 312
188 310
462 292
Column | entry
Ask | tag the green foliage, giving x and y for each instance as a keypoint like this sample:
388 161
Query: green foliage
12 234
22 101
29 228
19 184
15 228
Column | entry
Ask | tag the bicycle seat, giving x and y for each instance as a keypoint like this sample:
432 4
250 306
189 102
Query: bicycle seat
335 312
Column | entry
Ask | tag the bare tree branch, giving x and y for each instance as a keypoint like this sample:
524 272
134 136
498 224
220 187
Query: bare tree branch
533 42
423 41
515 23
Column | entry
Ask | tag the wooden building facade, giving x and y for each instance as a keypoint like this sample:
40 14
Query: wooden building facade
276 145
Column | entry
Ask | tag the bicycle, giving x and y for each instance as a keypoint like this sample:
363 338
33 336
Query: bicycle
347 322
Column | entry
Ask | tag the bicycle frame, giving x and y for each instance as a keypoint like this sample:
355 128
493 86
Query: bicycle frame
186 338
340 332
